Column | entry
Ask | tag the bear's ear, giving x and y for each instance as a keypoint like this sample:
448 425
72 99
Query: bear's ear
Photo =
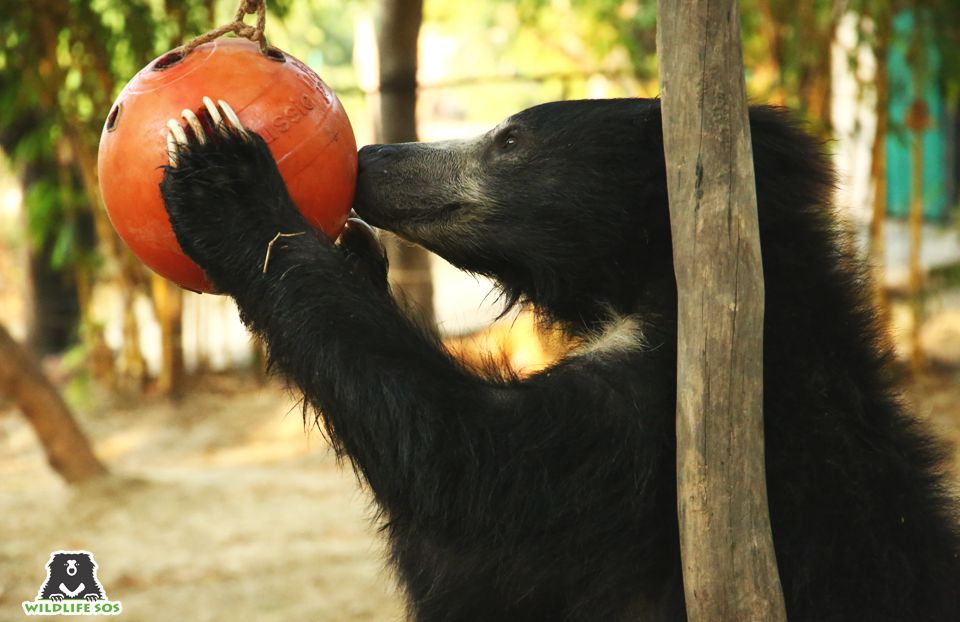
58 558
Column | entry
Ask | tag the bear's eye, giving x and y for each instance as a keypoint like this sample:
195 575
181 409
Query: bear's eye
509 141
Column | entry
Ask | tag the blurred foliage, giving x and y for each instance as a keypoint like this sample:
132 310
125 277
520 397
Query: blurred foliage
606 29
60 66
786 43
62 62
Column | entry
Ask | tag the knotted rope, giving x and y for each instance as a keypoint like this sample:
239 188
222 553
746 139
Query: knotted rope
237 26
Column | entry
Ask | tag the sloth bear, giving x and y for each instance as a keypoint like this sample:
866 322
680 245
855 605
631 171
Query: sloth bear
71 575
552 497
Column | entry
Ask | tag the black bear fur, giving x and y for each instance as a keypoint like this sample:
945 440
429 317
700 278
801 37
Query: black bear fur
552 497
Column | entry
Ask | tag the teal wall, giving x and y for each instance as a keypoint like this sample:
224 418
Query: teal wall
899 160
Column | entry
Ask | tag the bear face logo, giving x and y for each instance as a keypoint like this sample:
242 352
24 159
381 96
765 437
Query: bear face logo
71 588
71 575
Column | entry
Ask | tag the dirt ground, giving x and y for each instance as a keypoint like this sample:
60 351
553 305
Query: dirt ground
222 509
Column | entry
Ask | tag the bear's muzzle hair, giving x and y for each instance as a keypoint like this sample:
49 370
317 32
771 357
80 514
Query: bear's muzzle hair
442 173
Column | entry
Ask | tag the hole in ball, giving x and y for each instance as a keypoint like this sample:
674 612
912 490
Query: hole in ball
114 117
167 60
274 54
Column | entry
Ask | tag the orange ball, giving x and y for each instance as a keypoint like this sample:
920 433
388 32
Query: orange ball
274 94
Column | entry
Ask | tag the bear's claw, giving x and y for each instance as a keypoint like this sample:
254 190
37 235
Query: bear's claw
360 244
177 137
224 194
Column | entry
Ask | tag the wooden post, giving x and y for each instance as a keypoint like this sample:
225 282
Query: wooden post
168 307
918 121
729 565
397 39
878 166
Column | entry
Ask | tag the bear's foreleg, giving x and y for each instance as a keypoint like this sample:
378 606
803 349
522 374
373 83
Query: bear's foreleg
438 445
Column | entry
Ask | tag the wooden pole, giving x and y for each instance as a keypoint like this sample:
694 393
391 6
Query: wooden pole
918 121
168 307
729 565
917 125
878 167
397 44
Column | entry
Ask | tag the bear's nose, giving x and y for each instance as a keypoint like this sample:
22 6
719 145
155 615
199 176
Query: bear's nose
372 155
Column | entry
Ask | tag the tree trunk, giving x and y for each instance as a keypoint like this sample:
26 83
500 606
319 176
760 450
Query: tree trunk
918 121
52 325
916 235
22 380
878 168
729 566
54 311
772 29
397 43
168 306
133 366
129 272
814 84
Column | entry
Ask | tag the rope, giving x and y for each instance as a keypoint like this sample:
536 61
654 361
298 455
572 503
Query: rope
237 26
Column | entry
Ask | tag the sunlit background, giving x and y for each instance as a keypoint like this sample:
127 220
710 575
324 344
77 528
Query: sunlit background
218 506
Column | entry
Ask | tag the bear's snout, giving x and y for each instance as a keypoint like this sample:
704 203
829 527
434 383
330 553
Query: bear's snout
372 155
374 199
71 567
